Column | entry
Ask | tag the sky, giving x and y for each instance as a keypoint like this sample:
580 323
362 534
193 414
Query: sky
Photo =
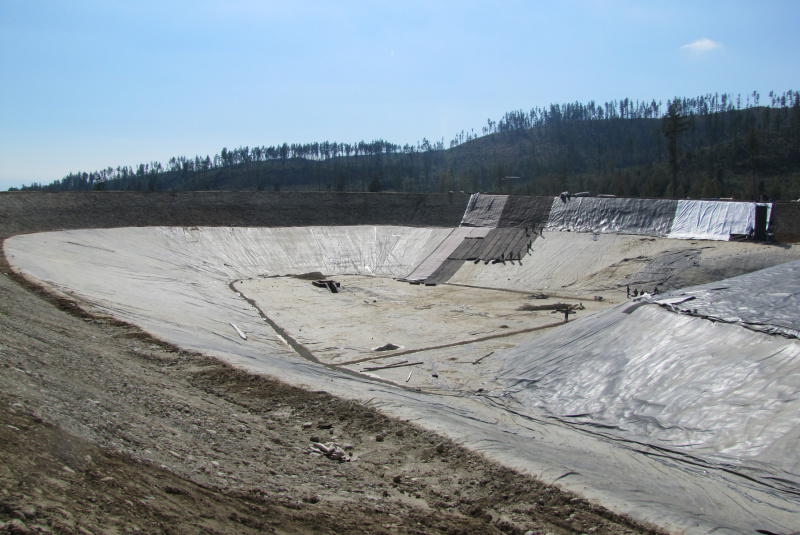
89 84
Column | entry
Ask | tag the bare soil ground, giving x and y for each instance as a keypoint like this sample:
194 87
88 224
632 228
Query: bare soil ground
107 430
440 332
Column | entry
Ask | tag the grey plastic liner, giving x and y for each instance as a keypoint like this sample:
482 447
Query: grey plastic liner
661 272
444 272
526 211
646 217
174 283
443 251
484 210
702 393
499 245
767 300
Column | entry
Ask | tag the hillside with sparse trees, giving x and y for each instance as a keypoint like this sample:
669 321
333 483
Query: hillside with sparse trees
712 146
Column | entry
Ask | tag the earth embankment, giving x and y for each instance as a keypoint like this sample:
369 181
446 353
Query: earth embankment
25 212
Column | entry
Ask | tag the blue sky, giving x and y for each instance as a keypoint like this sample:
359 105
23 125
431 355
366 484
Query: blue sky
89 84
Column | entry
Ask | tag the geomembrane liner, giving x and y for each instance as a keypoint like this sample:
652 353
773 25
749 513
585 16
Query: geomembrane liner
484 210
713 220
708 393
682 421
767 300
646 217
525 211
443 251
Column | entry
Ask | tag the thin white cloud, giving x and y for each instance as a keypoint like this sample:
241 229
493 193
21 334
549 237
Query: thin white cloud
702 45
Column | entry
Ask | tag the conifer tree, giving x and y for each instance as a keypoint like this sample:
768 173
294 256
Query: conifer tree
673 123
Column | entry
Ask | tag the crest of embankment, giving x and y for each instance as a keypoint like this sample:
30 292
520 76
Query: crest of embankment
25 212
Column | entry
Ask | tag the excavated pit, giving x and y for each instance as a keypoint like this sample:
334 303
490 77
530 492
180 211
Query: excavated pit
675 419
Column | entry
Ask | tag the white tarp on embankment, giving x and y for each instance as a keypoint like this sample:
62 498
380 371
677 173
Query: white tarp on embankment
174 283
713 220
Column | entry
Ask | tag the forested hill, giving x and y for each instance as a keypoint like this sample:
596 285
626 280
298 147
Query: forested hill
722 149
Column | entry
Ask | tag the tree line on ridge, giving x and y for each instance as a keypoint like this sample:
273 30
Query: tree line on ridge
710 146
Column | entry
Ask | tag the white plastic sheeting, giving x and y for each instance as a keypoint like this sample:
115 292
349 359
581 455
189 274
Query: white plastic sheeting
646 217
174 283
767 300
713 220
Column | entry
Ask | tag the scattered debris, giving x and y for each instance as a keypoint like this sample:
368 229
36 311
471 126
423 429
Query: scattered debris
330 450
483 357
559 307
333 286
238 330
397 365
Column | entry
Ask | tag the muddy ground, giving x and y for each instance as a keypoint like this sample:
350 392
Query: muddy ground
107 430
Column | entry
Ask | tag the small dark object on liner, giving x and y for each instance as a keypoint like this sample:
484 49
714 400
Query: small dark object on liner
387 347
556 307
330 285
483 357
403 364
